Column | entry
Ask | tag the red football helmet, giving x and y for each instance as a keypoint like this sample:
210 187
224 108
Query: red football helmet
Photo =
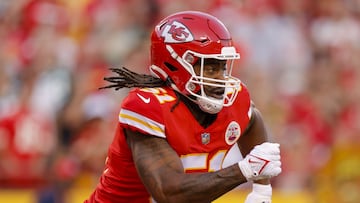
181 40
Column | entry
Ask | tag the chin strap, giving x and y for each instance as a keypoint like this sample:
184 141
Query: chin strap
210 107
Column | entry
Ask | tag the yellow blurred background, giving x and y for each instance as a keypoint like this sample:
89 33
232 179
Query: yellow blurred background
78 195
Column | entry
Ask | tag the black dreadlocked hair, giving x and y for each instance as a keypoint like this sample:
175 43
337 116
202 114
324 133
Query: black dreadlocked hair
128 78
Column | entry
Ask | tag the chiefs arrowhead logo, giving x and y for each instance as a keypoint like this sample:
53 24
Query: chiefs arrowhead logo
177 33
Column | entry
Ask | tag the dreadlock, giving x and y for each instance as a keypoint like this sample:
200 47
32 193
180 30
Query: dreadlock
128 78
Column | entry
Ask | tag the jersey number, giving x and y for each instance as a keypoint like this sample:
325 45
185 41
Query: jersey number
202 161
160 93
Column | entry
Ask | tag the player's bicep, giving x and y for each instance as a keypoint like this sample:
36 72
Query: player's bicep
156 162
255 134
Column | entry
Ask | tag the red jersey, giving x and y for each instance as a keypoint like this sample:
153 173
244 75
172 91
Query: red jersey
200 149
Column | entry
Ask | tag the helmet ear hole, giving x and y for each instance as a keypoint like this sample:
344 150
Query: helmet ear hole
204 40
170 67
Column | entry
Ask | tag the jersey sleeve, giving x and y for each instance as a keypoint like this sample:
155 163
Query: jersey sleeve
141 111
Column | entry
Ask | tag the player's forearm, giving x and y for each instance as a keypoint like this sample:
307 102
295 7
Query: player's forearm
204 187
163 175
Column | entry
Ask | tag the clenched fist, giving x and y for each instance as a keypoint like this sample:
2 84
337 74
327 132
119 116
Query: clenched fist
262 162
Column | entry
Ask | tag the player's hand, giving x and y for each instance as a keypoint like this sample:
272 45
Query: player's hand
262 162
259 194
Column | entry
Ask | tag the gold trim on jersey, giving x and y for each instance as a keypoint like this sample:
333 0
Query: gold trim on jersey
141 122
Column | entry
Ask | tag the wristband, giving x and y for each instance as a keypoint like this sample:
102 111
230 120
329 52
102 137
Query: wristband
265 190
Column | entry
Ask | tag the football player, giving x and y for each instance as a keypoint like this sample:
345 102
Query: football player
178 124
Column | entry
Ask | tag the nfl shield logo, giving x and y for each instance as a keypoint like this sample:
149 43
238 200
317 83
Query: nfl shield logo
205 138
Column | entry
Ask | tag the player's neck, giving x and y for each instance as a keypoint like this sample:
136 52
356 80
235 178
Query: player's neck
205 119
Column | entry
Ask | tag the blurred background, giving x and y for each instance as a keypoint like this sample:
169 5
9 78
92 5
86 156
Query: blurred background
299 58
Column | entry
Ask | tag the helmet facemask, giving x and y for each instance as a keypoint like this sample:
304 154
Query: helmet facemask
224 90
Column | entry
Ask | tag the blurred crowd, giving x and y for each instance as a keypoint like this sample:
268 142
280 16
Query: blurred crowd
299 58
